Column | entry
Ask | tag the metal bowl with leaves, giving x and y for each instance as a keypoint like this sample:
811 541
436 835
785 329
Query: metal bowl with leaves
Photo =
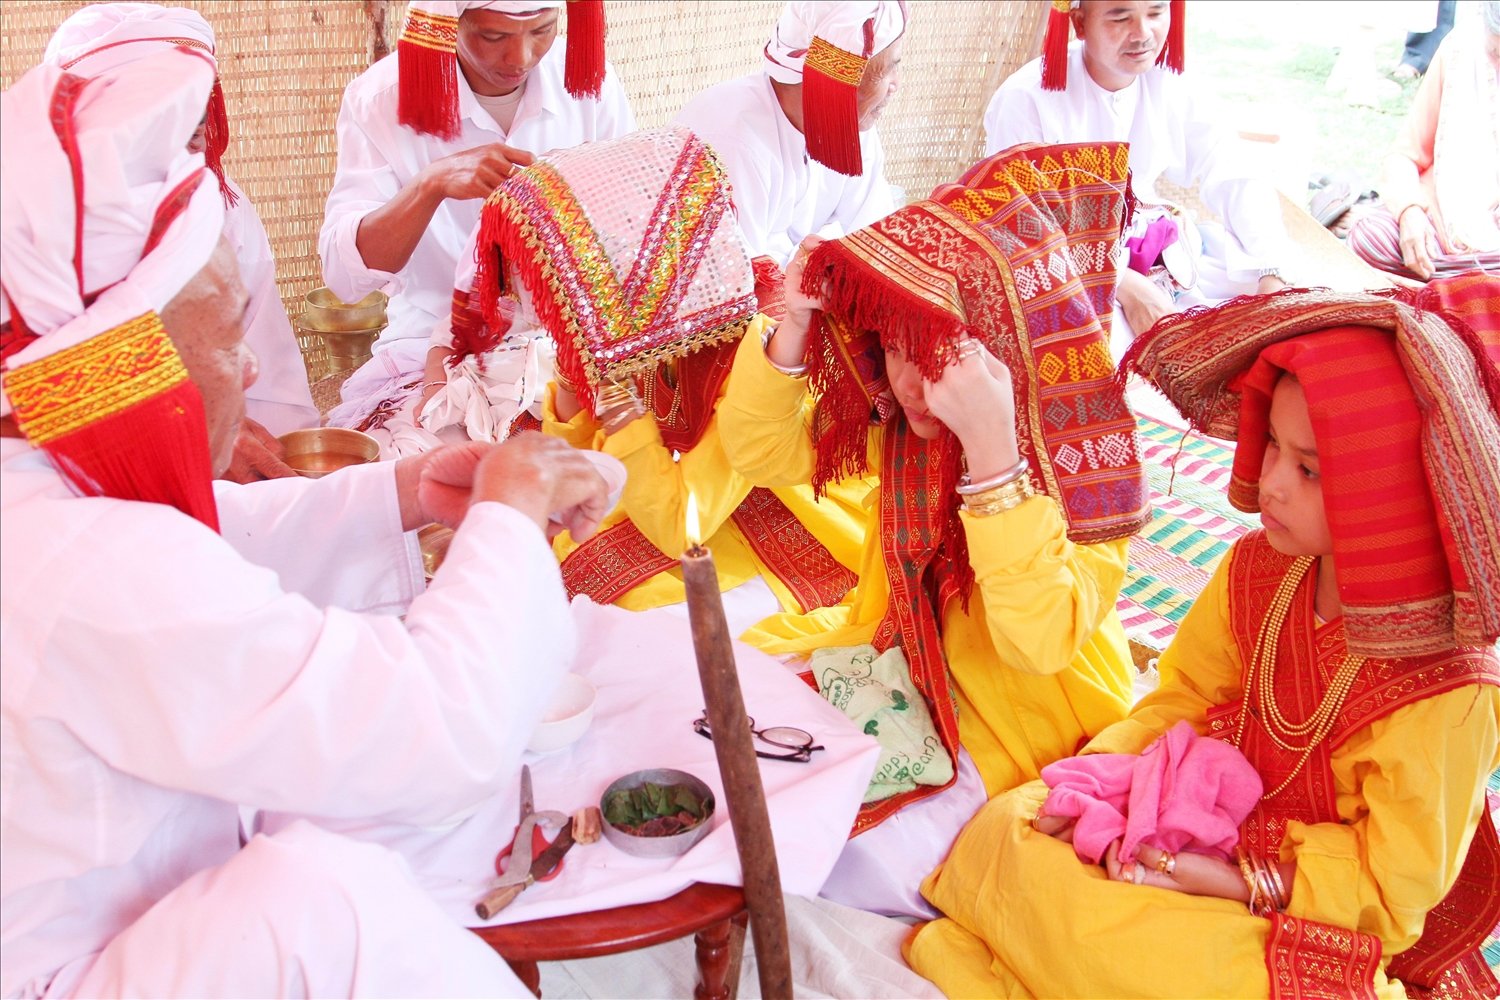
656 813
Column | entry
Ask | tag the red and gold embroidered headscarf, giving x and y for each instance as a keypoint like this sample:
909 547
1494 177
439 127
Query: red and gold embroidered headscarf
1018 255
1405 406
103 219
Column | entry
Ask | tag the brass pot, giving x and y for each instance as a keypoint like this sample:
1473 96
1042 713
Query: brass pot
316 451
326 313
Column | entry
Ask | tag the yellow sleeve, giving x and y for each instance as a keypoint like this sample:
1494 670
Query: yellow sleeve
1044 596
765 417
582 432
656 487
1410 791
1200 669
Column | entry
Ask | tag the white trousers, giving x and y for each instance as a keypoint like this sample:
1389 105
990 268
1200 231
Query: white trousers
302 913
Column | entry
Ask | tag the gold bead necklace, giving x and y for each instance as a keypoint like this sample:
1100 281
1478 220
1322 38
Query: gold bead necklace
1282 731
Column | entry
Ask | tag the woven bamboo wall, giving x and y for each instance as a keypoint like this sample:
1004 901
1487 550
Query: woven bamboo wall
284 65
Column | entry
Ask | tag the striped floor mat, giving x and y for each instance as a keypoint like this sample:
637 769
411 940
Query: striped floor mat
1172 559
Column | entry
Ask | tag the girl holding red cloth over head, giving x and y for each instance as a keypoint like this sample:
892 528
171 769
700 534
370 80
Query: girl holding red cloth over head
1347 650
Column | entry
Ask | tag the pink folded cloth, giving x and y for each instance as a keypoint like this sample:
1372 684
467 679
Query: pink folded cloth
1184 792
1145 249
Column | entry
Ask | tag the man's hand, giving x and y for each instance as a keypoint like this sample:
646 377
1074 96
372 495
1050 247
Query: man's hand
476 172
1418 241
1269 283
539 476
257 456
1142 301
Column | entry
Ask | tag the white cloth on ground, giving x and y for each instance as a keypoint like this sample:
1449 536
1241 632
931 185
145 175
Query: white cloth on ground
157 674
780 194
1173 133
377 157
645 671
882 869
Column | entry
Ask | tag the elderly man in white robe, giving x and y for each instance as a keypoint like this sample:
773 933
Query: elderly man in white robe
475 88
787 132
174 648
1109 86
101 36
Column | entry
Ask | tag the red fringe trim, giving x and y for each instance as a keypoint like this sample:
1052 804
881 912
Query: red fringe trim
830 122
216 139
427 91
155 452
1173 54
1055 51
583 71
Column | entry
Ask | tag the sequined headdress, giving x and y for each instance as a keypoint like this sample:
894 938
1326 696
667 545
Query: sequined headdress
628 250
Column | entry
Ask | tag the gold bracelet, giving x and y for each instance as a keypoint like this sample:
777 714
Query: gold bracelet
1248 874
1000 498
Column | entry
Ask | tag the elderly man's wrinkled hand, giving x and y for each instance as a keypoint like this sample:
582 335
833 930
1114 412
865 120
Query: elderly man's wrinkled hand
257 456
476 172
542 477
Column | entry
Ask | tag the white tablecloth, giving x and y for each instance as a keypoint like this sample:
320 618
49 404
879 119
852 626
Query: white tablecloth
643 666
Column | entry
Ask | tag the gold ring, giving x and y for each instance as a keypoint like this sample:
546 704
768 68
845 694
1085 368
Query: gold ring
1139 876
1166 863
1035 821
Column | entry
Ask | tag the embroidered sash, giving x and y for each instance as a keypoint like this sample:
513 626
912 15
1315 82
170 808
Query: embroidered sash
621 557
1306 959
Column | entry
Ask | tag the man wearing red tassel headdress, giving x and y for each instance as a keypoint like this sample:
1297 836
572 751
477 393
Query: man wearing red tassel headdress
1119 83
474 88
101 36
798 135
175 649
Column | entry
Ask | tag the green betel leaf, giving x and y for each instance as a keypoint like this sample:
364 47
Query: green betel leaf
634 806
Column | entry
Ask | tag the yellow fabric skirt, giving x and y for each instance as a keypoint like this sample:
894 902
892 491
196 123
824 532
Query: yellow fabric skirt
1026 918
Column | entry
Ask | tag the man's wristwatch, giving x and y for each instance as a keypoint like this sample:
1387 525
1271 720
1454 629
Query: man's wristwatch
1272 272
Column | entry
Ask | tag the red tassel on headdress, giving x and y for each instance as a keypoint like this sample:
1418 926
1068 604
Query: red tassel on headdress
427 91
830 107
1055 47
216 141
583 72
1173 54
135 432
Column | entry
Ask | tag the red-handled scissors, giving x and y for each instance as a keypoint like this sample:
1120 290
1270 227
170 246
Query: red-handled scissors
530 826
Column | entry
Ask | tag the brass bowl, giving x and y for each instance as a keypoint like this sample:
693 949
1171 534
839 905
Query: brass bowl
326 313
316 451
346 350
434 540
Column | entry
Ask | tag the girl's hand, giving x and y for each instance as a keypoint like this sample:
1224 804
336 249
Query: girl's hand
974 397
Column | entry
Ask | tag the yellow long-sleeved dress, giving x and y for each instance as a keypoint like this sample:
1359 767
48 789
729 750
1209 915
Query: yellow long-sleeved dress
1025 918
655 500
1039 661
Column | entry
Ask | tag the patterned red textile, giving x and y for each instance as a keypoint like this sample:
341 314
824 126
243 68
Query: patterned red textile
1305 958
1016 254
1406 410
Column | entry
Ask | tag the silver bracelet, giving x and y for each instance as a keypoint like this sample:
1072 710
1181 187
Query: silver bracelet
795 371
967 488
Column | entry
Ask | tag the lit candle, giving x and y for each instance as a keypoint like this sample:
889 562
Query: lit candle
734 747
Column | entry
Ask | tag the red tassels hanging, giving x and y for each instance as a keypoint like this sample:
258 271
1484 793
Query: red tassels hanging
830 107
216 141
1055 47
427 92
1173 54
583 72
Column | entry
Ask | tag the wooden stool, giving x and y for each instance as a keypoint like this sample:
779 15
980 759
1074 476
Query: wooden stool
715 914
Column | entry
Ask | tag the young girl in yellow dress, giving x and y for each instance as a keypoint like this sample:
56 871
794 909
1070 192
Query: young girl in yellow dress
1348 651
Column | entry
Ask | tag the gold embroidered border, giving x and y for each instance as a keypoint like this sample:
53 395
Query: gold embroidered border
834 63
80 385
431 31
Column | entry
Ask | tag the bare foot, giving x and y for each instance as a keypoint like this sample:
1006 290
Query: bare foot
1405 71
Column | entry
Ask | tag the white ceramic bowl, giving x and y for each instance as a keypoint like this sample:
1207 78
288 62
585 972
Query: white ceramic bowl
567 719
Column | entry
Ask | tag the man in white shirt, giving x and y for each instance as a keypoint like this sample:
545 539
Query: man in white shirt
175 648
784 132
100 36
475 88
1112 89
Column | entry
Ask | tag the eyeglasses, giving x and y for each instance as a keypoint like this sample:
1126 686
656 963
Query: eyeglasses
797 742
